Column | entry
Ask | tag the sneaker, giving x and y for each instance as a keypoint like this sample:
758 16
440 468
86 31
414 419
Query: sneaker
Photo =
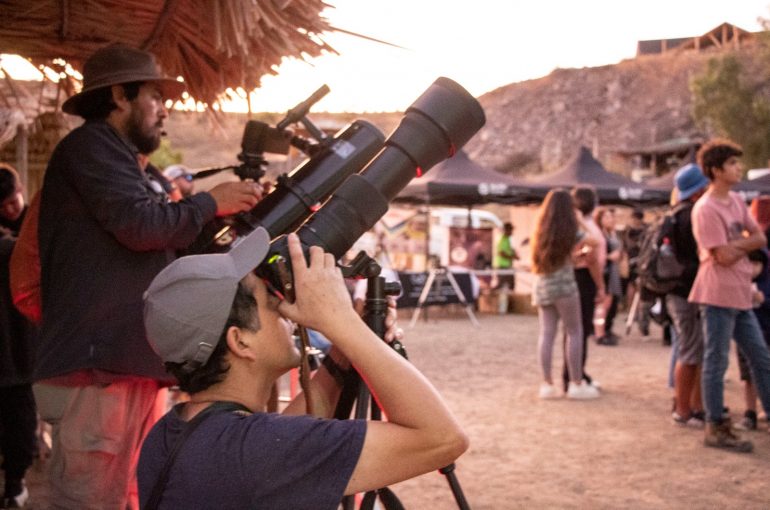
694 421
582 391
749 421
548 391
608 339
720 435
18 500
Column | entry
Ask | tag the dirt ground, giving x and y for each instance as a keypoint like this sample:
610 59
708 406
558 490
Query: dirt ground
620 451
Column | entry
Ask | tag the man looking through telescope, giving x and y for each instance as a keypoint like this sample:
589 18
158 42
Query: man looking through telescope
228 358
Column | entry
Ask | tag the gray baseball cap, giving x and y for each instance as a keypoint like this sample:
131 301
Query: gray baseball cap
187 304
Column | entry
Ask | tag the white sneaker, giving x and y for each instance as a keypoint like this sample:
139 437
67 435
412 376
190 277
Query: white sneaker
582 391
17 501
548 391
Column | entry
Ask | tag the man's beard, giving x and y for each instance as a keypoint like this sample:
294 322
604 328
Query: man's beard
145 140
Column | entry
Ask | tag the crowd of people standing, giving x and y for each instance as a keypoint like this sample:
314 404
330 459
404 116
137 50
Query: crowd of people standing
718 295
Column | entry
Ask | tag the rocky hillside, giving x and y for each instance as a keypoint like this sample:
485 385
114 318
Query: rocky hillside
532 126
537 125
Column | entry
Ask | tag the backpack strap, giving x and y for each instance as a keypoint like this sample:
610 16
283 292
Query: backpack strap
160 483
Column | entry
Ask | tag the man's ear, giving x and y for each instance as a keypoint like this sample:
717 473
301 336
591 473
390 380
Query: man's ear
119 97
240 346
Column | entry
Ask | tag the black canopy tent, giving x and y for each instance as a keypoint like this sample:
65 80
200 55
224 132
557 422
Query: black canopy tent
749 189
458 181
611 188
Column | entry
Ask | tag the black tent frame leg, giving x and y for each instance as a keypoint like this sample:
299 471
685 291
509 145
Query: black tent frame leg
429 282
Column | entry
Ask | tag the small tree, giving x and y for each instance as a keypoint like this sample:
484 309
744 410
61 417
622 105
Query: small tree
165 155
727 101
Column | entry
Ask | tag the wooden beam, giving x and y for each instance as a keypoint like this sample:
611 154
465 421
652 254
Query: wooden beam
169 7
64 27
22 157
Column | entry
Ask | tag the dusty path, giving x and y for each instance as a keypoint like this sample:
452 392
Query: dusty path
617 452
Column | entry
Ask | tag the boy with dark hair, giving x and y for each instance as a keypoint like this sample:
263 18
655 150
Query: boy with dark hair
226 340
726 233
18 417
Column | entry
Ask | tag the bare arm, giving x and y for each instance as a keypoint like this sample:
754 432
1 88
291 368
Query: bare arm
421 434
591 249
727 255
735 250
753 241
325 389
597 274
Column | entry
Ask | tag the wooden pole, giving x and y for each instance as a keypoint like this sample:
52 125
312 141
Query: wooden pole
22 158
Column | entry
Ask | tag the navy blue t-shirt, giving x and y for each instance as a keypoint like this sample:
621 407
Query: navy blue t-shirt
265 461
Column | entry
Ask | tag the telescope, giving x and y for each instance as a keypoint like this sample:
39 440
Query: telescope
298 194
433 128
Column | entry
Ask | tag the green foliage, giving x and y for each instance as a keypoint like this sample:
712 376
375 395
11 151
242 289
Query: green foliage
165 155
727 102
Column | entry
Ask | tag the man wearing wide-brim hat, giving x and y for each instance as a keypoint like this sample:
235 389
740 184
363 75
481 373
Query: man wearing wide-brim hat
104 233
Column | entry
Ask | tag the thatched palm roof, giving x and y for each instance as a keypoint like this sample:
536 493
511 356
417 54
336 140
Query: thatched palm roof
212 44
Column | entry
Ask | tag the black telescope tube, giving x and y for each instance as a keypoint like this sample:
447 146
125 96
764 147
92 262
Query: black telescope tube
299 194
437 124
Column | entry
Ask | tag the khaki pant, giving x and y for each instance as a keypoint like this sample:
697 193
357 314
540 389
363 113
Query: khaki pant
97 433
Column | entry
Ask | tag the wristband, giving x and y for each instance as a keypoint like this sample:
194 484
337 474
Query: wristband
336 371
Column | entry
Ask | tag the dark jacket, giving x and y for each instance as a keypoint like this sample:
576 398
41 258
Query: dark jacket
16 333
686 248
104 234
762 282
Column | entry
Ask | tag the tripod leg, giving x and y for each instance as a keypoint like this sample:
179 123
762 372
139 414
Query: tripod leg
423 298
454 485
632 310
461 297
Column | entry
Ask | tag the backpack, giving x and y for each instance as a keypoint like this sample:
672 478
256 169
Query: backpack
658 266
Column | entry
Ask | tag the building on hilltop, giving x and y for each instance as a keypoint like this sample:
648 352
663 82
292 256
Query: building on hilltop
658 158
725 36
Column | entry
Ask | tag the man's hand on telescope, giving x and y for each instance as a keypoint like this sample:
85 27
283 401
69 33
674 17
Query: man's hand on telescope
321 301
235 197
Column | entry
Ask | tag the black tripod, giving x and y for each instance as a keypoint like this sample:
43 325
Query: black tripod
355 391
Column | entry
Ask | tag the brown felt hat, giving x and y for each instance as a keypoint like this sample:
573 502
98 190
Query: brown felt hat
118 64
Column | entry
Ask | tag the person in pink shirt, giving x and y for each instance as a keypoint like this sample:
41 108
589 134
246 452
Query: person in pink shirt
726 233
